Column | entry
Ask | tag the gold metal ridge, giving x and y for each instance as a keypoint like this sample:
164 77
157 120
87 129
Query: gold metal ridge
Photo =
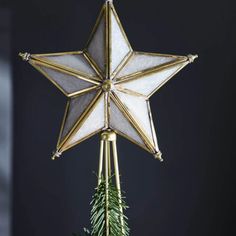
57 53
108 49
130 92
93 64
121 65
82 91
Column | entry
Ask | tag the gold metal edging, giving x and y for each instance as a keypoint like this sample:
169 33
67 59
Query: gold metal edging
56 54
82 91
154 137
64 120
160 54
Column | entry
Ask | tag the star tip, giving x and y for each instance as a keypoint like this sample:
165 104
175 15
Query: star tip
158 156
25 56
191 57
56 154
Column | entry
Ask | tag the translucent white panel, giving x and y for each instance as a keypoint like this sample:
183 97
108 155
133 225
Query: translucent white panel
138 109
142 61
119 45
66 82
148 83
120 123
96 47
74 61
76 108
94 122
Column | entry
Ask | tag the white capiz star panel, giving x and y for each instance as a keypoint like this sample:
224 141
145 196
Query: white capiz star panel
75 61
93 123
138 108
121 124
76 107
96 46
108 45
68 83
120 47
147 84
140 61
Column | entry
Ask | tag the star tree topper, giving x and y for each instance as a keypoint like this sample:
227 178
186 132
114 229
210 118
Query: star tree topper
108 85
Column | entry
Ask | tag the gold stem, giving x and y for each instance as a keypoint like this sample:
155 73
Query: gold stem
109 158
108 138
117 176
107 185
100 161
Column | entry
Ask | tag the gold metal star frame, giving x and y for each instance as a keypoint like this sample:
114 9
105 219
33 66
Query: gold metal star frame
108 85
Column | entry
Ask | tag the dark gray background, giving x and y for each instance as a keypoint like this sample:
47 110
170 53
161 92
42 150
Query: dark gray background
192 192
